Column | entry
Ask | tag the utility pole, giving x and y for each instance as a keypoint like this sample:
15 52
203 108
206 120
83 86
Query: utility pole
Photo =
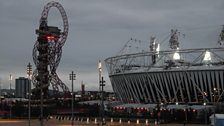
72 78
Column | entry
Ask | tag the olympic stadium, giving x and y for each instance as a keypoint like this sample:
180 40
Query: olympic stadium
169 76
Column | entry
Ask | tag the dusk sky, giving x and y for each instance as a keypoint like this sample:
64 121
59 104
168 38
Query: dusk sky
98 29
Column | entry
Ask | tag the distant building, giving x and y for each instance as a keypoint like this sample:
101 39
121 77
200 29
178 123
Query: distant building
22 87
83 89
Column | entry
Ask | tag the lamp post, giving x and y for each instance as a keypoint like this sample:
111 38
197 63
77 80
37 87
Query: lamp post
205 112
214 90
72 78
176 111
186 111
102 84
10 89
29 75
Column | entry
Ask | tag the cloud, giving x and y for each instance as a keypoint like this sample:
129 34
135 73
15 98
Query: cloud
98 29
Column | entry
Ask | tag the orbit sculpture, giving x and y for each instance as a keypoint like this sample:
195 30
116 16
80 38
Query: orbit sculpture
47 52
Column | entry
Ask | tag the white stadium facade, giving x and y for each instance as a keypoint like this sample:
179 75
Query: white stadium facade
175 75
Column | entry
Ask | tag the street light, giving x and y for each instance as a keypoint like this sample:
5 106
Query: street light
214 89
205 112
72 78
29 75
186 111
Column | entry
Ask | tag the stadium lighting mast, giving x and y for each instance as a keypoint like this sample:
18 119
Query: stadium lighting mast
72 78
101 90
100 72
102 84
29 75
10 86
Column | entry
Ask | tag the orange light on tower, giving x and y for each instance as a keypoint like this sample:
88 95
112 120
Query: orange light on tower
50 38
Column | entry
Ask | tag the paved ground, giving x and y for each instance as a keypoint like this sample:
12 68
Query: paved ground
35 123
54 122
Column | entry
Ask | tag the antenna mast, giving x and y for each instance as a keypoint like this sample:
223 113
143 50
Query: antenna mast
174 43
154 47
221 36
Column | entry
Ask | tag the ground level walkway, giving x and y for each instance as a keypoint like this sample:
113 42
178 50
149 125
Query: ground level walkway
55 122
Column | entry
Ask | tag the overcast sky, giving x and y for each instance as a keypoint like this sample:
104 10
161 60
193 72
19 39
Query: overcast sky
99 29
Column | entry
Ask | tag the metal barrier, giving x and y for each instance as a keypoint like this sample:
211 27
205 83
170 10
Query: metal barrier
94 120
